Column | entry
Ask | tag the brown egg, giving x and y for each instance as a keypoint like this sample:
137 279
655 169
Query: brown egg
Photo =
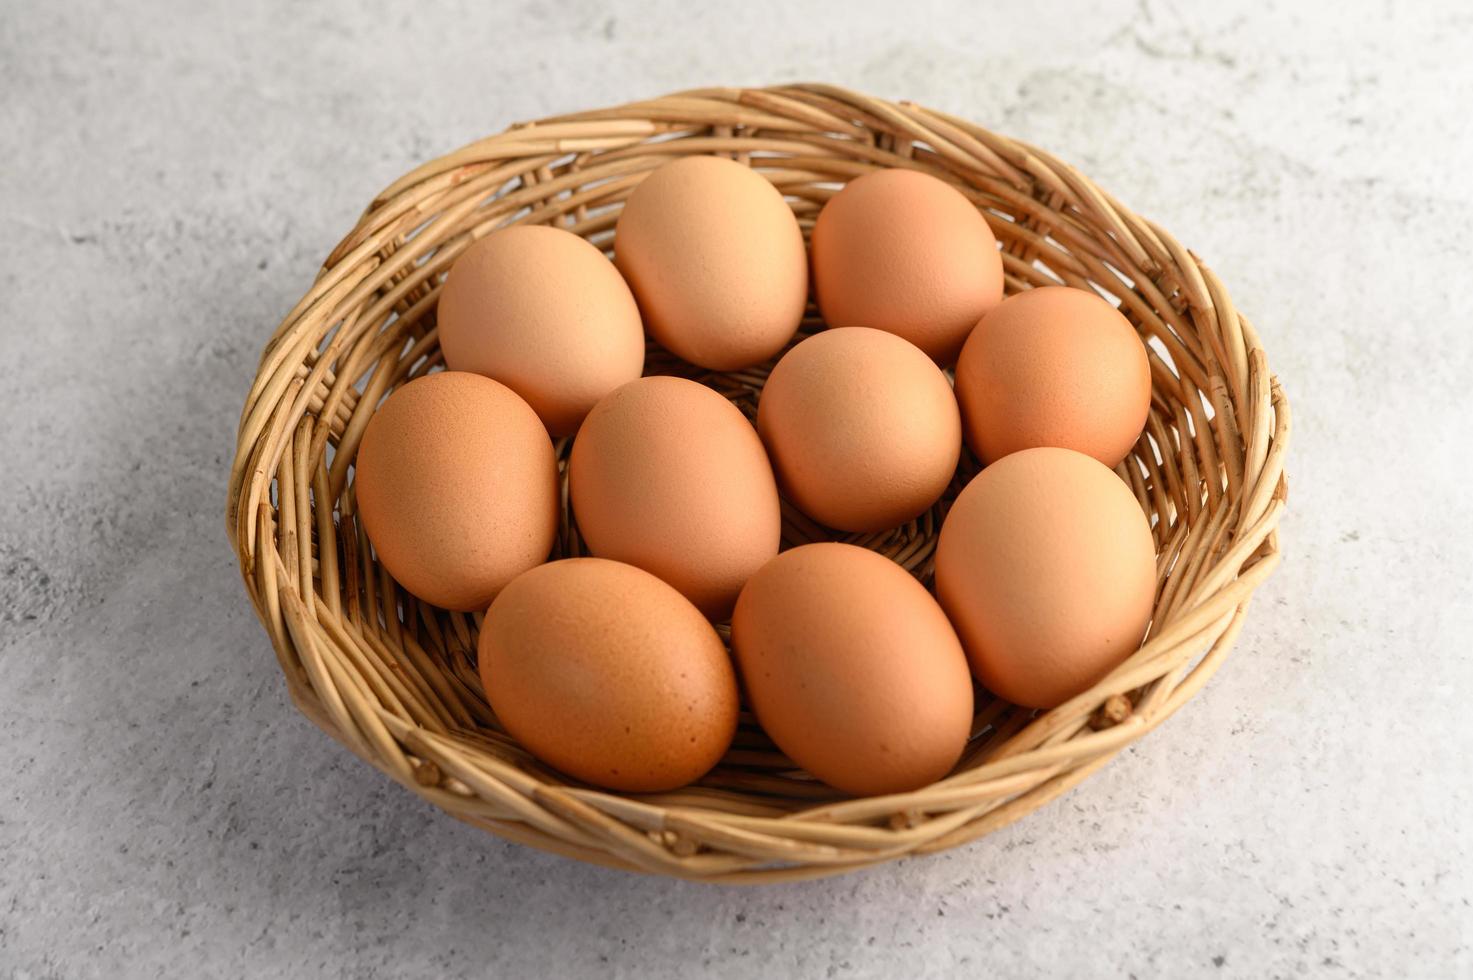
716 259
1047 567
902 251
543 312
607 673
457 487
852 669
862 428
1054 366
669 476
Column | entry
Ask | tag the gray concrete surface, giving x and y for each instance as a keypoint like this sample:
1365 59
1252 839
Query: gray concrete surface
170 175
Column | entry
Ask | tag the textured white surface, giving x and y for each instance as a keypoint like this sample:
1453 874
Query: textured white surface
170 176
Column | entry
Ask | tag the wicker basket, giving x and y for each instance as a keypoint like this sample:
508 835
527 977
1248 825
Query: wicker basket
395 680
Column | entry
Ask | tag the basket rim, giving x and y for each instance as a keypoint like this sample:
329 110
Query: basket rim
1220 425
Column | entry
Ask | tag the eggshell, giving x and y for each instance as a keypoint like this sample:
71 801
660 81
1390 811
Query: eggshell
862 428
904 252
716 259
1047 568
670 476
457 487
1054 366
607 673
546 314
853 669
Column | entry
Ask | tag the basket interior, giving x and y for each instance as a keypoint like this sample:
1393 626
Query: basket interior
395 679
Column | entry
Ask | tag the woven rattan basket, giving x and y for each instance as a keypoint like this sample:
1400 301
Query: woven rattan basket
395 680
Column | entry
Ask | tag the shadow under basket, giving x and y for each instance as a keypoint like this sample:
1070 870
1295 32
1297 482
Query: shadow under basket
394 679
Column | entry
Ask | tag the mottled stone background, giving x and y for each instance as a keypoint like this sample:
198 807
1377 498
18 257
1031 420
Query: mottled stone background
172 173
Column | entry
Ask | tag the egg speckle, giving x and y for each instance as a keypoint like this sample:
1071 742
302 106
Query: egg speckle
603 671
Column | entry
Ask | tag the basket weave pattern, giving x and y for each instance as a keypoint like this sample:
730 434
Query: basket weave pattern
394 679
